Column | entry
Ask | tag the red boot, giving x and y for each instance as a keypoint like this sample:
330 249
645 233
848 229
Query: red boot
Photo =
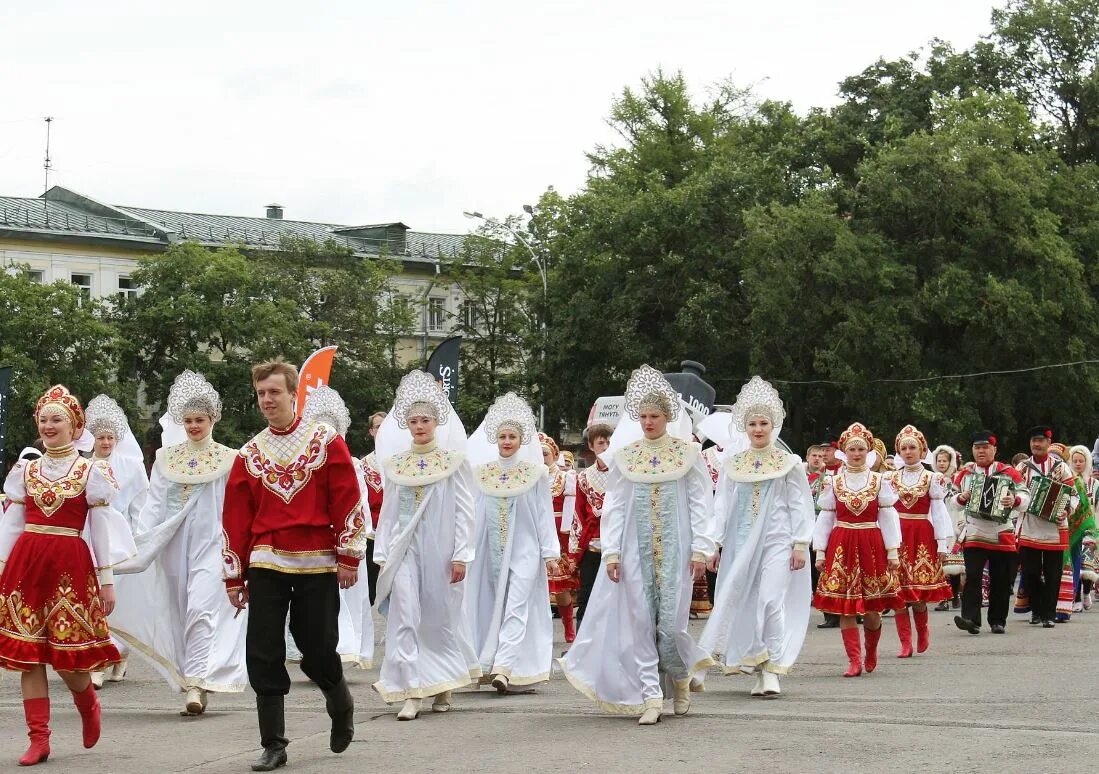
872 637
853 647
904 632
38 729
87 704
569 621
923 634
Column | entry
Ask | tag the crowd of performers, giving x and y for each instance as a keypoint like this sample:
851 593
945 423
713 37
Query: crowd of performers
226 562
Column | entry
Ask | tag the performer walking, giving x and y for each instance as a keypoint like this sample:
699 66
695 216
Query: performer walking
1082 525
860 529
115 445
988 536
515 541
1043 542
817 473
591 489
54 595
563 578
372 471
294 535
174 610
424 545
764 517
926 535
657 535
946 465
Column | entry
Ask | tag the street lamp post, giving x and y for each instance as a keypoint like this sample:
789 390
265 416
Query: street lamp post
499 225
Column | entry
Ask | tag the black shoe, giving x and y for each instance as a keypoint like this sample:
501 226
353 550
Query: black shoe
341 708
1034 619
956 602
1048 624
272 733
943 606
270 759
997 628
966 625
829 623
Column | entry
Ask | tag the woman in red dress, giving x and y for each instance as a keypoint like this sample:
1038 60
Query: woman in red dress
54 597
860 528
926 535
563 578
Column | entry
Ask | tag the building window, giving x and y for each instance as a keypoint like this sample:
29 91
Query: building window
436 314
36 276
469 314
84 282
126 288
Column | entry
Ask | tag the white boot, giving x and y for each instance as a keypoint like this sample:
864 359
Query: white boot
195 702
682 702
770 684
97 680
118 671
649 717
757 689
441 703
697 686
410 710
500 683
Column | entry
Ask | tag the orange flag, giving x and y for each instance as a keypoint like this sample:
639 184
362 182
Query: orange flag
315 371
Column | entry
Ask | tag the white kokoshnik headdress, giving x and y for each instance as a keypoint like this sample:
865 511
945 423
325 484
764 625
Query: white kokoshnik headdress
509 410
647 388
757 398
325 405
419 395
103 414
191 394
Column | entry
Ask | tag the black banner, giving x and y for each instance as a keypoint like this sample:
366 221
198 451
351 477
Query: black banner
5 394
443 365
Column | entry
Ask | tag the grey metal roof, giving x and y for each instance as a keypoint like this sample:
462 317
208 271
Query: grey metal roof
39 215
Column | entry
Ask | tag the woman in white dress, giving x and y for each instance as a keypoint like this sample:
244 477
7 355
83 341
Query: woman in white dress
423 546
657 536
116 445
516 544
764 516
175 613
356 622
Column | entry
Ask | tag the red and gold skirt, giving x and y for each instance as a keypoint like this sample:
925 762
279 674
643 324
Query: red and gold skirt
921 574
563 581
856 577
50 611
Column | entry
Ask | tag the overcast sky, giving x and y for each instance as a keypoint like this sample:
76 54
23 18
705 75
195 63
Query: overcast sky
359 111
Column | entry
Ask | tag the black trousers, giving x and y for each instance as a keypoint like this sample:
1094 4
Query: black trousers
371 570
588 571
1042 578
313 602
1001 573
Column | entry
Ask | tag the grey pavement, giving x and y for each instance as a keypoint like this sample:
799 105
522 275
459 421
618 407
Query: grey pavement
1021 702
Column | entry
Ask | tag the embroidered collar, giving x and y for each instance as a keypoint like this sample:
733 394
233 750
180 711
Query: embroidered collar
371 472
856 501
49 494
411 468
557 480
753 465
195 462
666 459
285 430
501 479
284 461
910 494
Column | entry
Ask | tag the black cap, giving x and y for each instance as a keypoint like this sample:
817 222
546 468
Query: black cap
985 436
1040 431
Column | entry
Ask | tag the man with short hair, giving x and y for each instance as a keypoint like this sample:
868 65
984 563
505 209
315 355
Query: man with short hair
817 473
987 540
293 530
591 486
372 472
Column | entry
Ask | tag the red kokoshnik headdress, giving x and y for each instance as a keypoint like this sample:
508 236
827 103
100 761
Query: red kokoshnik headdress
58 399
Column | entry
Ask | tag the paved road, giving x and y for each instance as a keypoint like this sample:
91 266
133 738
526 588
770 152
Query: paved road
1022 702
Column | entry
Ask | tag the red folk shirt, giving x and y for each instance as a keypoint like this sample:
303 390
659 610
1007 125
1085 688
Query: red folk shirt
983 533
591 489
1034 532
292 504
372 474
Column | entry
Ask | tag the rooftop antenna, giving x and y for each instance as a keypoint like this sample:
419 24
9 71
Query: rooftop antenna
48 165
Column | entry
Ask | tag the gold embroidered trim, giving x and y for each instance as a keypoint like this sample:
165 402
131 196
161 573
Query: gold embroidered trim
42 529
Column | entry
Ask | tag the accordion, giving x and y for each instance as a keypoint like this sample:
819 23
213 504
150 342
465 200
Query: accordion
985 497
1048 498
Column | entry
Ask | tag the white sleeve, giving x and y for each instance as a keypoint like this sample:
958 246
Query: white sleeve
364 498
940 517
543 519
463 514
388 518
138 484
722 508
14 518
568 508
700 494
799 502
112 542
612 522
826 519
888 520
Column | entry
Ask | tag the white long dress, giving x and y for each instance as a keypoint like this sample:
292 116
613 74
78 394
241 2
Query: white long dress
656 519
426 523
356 620
180 619
763 510
507 591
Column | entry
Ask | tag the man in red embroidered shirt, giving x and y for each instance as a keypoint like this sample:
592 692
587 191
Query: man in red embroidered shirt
294 532
591 486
